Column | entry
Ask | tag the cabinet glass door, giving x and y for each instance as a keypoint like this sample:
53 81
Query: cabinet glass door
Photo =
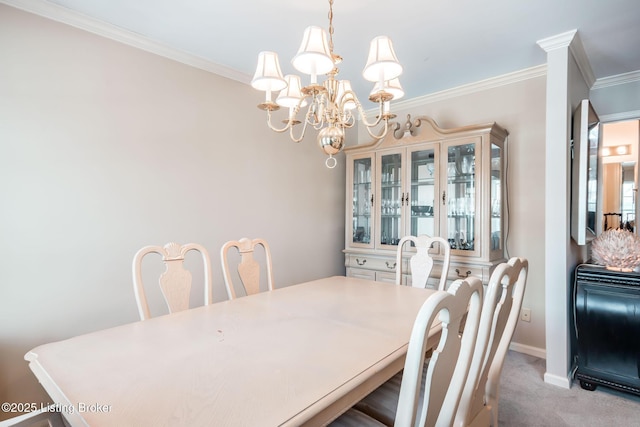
362 201
422 193
460 196
391 198
496 198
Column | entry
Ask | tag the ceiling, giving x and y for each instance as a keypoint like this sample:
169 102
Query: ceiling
442 44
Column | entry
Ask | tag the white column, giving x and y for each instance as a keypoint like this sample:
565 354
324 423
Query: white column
566 83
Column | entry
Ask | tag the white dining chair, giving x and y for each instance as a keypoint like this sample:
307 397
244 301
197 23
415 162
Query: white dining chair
248 268
421 262
175 282
45 417
429 389
500 313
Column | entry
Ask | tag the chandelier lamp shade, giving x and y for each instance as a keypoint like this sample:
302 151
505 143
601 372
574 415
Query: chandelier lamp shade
329 106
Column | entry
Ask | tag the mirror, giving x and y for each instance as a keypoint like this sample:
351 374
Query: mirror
619 155
586 203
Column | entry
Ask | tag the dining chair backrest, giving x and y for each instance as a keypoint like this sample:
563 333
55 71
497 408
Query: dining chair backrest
248 268
175 282
421 262
447 370
500 313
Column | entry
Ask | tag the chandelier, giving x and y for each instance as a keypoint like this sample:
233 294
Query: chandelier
330 104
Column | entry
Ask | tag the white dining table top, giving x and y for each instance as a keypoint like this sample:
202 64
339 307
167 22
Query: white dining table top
293 356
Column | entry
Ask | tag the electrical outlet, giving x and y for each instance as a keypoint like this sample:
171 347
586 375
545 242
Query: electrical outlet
525 315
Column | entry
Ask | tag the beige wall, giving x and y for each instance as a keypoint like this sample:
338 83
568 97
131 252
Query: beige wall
104 149
520 108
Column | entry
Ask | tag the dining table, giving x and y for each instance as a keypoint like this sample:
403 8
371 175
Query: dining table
298 355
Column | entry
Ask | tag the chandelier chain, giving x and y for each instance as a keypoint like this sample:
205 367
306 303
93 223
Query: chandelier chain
331 27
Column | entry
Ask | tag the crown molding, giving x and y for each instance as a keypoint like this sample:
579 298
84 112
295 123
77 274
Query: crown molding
572 40
619 79
580 55
619 117
491 83
77 20
569 39
558 41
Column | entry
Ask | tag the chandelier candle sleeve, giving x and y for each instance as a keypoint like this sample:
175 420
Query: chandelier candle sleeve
332 104
381 92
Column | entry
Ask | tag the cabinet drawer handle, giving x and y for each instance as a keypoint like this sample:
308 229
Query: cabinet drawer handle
390 266
463 276
363 262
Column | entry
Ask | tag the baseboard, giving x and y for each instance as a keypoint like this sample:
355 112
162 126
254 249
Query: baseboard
564 382
557 380
530 350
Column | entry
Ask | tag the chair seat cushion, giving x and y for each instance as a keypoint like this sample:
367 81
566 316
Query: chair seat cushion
355 418
382 403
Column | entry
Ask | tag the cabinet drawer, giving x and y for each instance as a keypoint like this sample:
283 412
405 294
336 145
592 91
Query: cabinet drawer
463 271
383 276
373 263
378 276
361 273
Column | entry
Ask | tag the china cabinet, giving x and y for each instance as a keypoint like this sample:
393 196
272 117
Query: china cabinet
422 179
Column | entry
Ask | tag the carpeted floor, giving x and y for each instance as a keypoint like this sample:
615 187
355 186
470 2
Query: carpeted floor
526 400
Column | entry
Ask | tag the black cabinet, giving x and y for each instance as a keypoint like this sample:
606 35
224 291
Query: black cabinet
607 328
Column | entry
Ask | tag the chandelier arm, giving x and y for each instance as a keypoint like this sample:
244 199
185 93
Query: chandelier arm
382 134
363 115
291 121
301 137
286 127
347 121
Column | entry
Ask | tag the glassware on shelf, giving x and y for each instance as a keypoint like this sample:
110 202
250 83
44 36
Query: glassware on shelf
362 189
422 210
495 207
465 167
